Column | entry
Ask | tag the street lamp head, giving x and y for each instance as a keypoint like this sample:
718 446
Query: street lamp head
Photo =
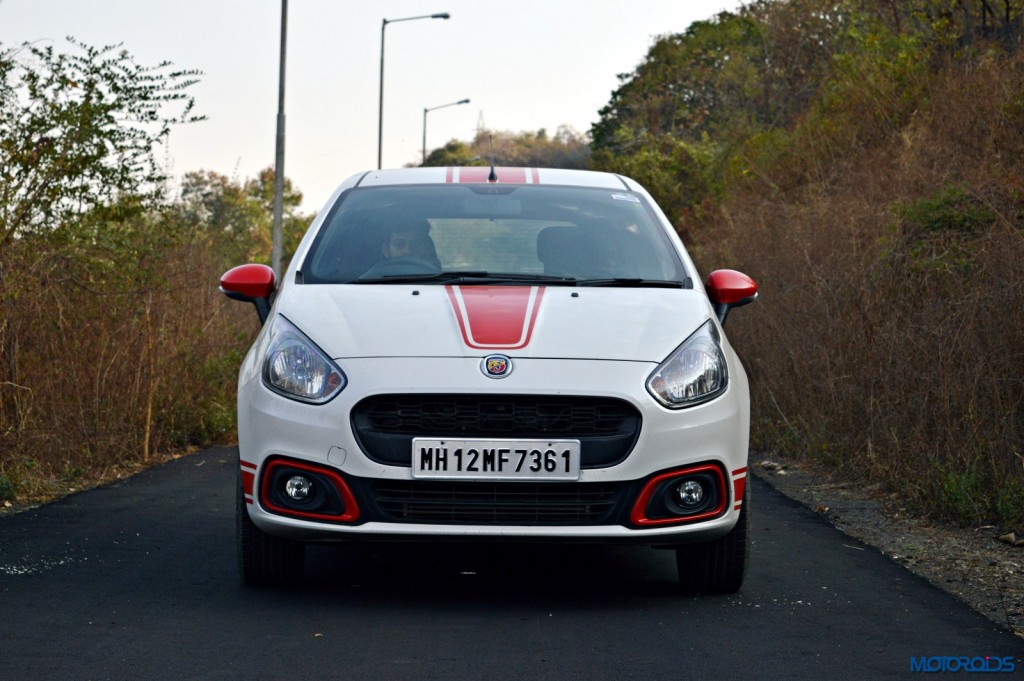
439 15
380 108
427 110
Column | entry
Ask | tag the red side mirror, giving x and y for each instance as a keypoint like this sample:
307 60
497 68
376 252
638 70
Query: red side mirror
252 284
248 281
728 289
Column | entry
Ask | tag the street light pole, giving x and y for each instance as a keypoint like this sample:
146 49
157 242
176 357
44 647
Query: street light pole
380 108
425 112
275 255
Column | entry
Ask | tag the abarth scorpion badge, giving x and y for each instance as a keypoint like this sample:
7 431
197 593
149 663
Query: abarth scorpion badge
496 366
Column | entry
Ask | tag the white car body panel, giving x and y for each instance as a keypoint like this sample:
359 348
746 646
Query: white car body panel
408 338
715 431
390 321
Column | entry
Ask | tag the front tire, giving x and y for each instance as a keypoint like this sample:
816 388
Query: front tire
718 566
263 559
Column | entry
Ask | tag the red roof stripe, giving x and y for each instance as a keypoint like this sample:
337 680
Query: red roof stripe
480 174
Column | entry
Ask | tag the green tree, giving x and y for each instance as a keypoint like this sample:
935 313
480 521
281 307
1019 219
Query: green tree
688 85
115 345
236 218
78 130
739 92
667 123
565 149
294 223
77 160
454 153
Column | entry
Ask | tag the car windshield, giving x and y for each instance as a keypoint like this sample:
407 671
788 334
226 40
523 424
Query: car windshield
492 234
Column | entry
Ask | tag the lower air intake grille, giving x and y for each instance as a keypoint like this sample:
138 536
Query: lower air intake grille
497 503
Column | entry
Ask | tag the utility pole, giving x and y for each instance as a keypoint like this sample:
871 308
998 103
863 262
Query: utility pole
275 256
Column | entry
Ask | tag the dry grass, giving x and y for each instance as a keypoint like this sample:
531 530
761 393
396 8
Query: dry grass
102 377
889 338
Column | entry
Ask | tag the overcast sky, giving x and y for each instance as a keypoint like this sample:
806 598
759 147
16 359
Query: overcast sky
524 65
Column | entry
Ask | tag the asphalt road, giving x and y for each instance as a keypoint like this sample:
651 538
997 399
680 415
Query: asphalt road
138 581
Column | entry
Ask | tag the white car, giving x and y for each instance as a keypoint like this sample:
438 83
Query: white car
482 353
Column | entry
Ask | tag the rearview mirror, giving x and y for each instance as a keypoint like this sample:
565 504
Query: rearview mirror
251 284
728 289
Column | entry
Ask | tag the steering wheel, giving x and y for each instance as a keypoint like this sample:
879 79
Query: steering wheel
404 265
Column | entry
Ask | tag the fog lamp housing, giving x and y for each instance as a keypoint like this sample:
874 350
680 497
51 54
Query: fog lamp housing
307 491
684 495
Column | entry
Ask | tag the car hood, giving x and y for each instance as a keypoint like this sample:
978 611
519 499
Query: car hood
629 324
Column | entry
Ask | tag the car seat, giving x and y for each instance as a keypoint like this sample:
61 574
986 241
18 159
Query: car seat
571 251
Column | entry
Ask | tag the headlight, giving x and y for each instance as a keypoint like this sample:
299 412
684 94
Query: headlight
296 368
695 372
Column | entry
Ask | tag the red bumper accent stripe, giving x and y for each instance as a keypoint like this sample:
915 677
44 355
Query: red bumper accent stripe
248 478
739 486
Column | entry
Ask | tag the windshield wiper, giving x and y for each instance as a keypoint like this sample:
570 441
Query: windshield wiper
417 278
468 277
518 278
632 282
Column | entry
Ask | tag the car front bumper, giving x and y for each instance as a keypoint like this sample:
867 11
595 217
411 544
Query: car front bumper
273 428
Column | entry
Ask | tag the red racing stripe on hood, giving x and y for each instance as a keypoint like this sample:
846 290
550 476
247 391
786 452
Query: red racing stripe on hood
496 317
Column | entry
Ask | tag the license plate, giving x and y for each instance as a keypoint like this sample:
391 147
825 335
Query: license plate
496 459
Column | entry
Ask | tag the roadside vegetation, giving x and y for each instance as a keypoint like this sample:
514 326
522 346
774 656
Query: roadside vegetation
116 349
565 149
862 160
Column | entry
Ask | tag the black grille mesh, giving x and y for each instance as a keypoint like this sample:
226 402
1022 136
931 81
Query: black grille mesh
496 503
495 416
385 424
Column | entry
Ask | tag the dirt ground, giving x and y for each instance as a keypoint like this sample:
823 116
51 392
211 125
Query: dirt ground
983 566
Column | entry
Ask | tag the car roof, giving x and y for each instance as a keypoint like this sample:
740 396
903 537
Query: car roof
505 175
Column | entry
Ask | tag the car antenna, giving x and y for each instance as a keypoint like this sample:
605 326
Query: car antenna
493 177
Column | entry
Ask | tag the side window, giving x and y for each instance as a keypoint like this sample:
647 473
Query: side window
347 249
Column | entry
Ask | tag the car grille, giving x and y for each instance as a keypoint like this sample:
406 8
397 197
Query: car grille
386 424
505 503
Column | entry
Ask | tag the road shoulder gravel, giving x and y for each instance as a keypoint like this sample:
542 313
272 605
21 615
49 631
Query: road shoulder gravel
982 566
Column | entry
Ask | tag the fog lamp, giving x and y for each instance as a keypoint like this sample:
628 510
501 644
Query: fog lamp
298 488
690 493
